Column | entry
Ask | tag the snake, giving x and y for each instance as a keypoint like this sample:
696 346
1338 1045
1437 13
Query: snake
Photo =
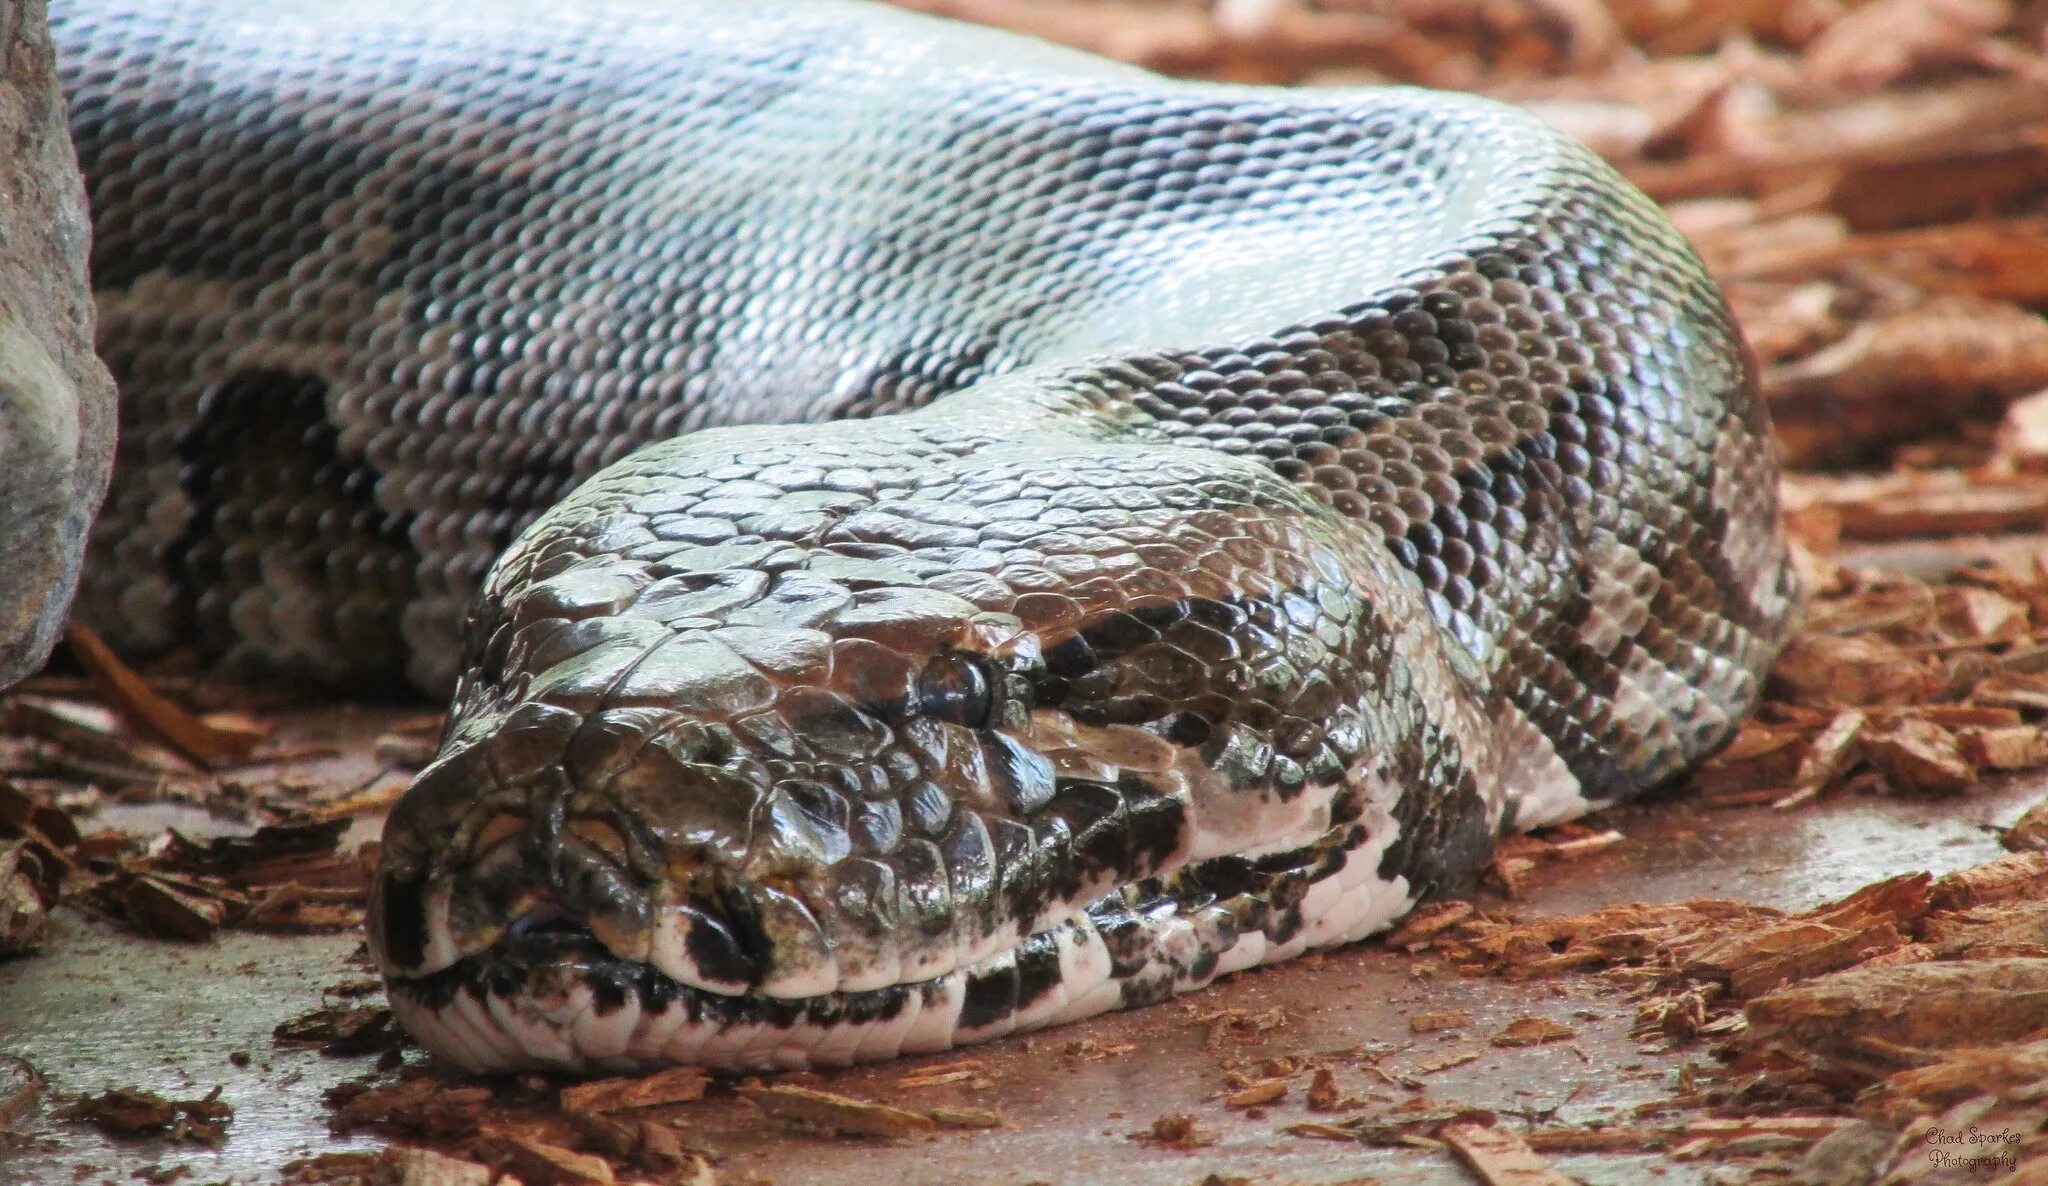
926 534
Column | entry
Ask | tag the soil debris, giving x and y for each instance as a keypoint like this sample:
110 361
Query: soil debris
343 1031
1177 1130
132 1111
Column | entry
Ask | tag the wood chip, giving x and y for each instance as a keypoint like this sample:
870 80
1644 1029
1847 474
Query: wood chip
952 1117
540 1163
425 1167
1918 755
1849 672
1176 1131
2029 833
423 1106
2021 875
172 907
21 1088
1850 1019
1500 1157
1425 922
1436 1020
2007 747
1532 1031
1447 1060
217 742
1831 750
1265 1091
837 1113
1319 1131
24 902
677 1085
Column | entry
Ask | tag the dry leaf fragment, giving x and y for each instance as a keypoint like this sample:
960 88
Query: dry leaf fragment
837 1113
1532 1031
677 1085
1500 1157
1319 1131
1678 1016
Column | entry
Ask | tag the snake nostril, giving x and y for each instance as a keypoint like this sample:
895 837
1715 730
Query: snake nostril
725 939
402 915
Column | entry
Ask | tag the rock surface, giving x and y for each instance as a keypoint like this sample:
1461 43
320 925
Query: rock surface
56 400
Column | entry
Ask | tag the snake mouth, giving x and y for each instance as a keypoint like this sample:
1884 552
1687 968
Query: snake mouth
550 994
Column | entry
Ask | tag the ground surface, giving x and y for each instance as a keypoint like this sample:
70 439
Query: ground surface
103 1008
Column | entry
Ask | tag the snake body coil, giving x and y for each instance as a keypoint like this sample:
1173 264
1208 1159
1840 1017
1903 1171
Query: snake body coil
1237 506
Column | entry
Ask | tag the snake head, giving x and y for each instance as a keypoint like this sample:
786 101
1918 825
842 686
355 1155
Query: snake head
795 715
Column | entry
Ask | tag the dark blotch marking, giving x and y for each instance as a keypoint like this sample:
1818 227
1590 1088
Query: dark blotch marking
991 997
237 488
1038 968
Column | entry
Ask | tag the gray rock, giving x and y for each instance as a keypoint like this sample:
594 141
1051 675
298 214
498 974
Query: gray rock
56 400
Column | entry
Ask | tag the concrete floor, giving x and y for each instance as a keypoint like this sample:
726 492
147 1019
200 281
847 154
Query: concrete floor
104 1009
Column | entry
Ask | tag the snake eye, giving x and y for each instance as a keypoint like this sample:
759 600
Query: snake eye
956 690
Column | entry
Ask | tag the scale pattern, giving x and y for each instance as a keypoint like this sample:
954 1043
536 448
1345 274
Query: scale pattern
993 535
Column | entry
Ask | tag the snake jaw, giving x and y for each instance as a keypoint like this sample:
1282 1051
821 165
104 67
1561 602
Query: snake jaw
739 811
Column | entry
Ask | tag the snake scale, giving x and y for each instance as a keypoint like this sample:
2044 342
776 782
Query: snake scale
930 534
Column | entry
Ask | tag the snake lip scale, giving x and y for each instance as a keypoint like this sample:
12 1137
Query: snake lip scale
928 534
